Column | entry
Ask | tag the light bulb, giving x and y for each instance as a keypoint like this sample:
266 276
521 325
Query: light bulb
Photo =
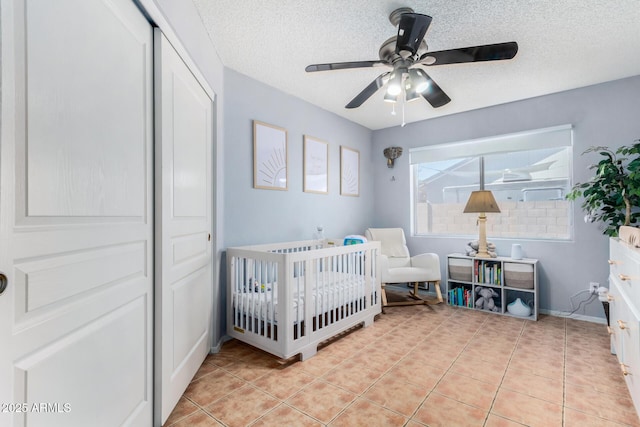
395 84
394 89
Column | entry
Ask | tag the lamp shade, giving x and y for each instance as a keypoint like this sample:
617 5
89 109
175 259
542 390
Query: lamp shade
481 201
418 80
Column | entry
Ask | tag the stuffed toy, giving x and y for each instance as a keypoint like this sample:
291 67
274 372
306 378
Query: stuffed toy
472 249
484 301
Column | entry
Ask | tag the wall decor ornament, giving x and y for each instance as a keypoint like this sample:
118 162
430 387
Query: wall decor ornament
349 171
391 154
269 156
316 166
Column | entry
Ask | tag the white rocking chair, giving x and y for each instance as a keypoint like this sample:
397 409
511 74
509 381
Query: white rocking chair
398 266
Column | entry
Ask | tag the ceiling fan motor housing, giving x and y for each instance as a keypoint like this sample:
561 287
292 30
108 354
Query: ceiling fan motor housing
411 32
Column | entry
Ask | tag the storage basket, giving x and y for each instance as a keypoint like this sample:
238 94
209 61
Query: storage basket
460 269
518 275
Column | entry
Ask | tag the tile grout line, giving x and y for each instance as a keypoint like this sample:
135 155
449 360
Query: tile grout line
422 402
361 395
203 410
397 326
493 401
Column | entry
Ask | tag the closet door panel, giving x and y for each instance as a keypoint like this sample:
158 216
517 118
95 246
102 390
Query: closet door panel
184 305
83 94
76 219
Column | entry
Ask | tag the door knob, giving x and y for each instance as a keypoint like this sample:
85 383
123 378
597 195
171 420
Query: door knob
3 283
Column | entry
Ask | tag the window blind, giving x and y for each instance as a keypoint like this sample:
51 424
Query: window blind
552 137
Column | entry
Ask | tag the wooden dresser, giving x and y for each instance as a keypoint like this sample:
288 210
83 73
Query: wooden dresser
624 312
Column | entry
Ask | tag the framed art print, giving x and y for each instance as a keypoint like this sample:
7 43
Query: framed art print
349 171
269 156
316 166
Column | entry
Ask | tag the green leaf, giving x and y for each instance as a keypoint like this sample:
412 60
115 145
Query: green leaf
616 179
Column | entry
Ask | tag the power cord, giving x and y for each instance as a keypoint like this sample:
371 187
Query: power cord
586 301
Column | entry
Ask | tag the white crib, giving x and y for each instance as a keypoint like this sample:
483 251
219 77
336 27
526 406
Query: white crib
286 298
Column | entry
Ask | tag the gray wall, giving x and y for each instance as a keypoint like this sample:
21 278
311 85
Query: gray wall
605 114
255 216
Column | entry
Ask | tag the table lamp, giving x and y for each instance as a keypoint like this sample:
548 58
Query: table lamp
482 201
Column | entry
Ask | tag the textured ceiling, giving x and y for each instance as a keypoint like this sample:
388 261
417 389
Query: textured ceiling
563 44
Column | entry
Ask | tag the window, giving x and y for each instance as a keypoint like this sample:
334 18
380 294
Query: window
529 174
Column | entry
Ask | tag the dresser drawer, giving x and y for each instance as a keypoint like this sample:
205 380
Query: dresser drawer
624 262
624 312
625 327
616 307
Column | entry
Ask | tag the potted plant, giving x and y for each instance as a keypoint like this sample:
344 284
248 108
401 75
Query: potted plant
614 191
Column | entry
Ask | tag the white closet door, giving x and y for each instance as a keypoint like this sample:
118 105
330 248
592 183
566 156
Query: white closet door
76 230
184 141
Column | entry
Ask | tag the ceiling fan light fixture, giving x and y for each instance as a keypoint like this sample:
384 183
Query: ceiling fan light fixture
390 98
412 96
410 92
419 82
395 84
394 90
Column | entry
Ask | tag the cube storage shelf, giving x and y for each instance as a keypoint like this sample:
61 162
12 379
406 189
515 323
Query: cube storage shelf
508 278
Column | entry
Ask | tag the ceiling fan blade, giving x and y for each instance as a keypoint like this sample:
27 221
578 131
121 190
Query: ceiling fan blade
434 94
342 65
411 30
489 52
367 92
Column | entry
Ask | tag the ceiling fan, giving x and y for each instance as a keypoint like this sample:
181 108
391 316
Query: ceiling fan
408 49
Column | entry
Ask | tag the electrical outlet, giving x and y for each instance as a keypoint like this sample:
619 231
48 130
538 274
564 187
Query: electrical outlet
593 287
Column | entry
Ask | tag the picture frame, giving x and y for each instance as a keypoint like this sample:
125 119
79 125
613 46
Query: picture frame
270 154
349 171
315 166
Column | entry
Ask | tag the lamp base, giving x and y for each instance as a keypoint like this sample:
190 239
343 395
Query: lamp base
483 255
482 238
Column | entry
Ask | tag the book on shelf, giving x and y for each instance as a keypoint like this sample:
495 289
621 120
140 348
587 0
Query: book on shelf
461 297
487 272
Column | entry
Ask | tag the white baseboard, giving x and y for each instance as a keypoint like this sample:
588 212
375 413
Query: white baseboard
592 319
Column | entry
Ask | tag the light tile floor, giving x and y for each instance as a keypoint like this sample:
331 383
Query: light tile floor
421 366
